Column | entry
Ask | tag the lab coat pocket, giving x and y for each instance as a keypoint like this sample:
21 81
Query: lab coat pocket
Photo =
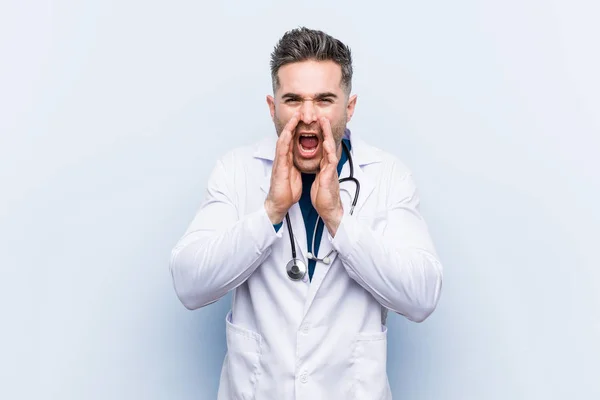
243 360
370 366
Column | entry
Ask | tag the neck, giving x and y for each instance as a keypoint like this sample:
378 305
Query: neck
339 150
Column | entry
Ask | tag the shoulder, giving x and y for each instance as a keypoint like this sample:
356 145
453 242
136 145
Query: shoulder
249 155
380 161
390 174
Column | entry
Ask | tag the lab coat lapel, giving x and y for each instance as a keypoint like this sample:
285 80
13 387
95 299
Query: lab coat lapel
362 155
321 269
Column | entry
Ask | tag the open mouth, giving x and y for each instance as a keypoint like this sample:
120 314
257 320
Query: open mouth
308 144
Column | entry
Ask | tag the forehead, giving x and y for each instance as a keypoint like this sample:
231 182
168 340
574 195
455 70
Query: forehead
310 77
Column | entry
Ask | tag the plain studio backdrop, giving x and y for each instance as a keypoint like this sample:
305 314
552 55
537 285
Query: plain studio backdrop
113 113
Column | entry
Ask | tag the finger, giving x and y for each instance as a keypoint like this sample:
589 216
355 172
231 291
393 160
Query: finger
285 138
328 142
283 146
326 128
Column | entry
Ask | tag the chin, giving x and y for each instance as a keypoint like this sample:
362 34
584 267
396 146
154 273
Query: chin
308 167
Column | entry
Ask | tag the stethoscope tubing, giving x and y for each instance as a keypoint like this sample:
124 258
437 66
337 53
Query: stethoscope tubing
293 270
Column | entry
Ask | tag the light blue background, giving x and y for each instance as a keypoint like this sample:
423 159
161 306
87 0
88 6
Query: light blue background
112 114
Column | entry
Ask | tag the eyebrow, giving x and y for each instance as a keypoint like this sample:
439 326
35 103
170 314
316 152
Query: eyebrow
318 96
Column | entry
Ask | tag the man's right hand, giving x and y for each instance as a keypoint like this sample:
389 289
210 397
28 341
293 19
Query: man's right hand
286 181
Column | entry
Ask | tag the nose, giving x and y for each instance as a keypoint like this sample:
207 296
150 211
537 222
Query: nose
308 113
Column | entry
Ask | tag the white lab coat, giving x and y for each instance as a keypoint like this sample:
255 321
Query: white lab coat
324 339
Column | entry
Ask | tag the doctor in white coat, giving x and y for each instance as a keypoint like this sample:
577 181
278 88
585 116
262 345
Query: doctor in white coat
292 334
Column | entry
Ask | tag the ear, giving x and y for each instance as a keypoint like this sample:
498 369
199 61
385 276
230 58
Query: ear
350 107
271 103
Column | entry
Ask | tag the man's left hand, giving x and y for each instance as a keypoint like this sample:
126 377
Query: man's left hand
325 191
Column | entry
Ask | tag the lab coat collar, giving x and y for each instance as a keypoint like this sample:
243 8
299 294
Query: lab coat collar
362 155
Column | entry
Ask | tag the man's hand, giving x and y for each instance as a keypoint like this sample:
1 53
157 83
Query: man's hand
286 181
325 191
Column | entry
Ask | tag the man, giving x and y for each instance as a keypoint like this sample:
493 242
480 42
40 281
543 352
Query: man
313 275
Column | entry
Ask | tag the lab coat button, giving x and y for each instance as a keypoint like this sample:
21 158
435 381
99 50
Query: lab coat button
305 329
304 377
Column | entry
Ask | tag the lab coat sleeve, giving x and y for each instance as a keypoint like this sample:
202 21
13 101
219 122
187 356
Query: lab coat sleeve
398 264
219 250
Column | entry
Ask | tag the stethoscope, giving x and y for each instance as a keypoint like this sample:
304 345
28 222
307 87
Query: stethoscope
296 268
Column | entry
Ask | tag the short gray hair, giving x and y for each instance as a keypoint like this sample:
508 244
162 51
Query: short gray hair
302 44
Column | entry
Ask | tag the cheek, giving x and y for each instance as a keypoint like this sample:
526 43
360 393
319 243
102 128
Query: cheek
283 113
333 113
336 119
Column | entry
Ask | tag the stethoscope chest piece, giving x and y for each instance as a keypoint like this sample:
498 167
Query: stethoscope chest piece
296 269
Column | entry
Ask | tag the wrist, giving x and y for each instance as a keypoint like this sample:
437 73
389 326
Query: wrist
274 216
333 220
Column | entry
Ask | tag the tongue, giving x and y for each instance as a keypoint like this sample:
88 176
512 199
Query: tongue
309 142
